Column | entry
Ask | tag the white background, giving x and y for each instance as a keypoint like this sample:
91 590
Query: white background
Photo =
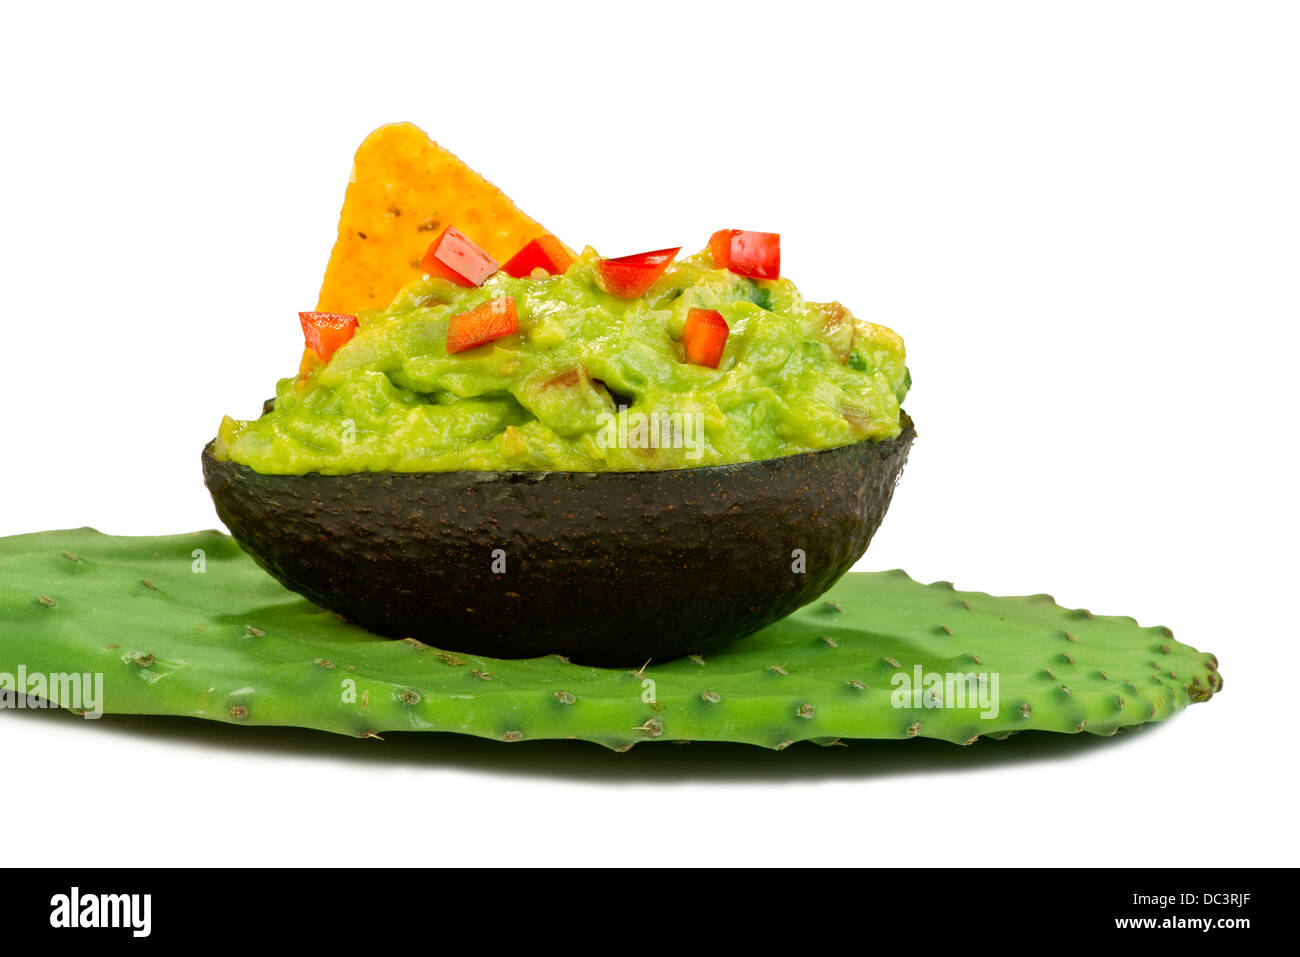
1083 218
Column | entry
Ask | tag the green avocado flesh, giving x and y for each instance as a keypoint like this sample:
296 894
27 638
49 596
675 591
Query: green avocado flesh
591 382
189 625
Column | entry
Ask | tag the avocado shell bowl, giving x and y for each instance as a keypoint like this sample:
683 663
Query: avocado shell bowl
604 568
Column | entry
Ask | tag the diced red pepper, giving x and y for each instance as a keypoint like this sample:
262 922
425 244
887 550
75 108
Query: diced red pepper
629 276
704 337
545 252
757 255
454 256
492 320
326 331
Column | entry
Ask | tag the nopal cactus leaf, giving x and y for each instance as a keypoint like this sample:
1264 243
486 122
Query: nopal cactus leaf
188 625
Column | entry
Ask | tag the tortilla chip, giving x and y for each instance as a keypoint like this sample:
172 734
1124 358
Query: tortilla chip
403 190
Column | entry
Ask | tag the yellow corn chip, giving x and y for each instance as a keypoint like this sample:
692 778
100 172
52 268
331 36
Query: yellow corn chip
403 190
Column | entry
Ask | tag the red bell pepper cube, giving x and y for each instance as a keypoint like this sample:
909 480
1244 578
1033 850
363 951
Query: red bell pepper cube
704 337
545 252
629 276
492 320
324 332
454 256
757 255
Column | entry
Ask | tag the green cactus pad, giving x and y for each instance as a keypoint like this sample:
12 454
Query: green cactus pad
188 625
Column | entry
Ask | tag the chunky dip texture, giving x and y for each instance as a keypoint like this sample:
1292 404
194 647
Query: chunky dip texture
590 381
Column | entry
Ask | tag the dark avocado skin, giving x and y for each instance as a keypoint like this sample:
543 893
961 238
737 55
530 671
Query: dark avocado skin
604 568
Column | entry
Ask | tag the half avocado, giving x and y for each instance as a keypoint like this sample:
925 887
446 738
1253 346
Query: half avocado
604 568
557 464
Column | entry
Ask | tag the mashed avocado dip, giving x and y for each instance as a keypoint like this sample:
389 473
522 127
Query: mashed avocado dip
589 382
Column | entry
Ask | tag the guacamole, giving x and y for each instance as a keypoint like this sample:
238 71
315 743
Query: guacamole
589 382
